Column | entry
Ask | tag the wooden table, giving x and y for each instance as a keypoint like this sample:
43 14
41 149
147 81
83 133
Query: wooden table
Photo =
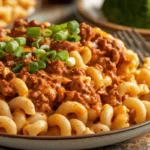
62 13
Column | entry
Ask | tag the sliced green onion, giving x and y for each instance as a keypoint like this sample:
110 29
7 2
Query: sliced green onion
45 47
42 64
2 45
12 46
55 28
39 53
77 31
49 55
36 43
8 38
61 35
73 25
18 51
62 55
74 38
47 32
24 55
21 41
17 68
33 67
34 31
2 54
70 62
63 25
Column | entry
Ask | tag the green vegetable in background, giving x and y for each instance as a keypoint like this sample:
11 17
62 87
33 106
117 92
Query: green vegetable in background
134 13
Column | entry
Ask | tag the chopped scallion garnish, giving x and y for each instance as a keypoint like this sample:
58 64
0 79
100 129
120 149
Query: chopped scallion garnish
39 53
63 25
45 47
33 67
62 55
73 25
42 64
36 43
55 28
24 55
61 35
11 46
17 68
74 38
2 45
70 62
49 55
18 51
47 32
2 53
34 31
21 41
77 31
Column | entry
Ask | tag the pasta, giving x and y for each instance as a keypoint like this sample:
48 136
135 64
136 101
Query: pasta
13 9
68 79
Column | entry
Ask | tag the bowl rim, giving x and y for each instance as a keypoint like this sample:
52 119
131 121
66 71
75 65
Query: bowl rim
109 25
76 136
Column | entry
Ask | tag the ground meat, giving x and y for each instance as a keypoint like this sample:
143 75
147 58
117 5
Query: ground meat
49 88
10 76
77 90
61 45
56 67
75 72
86 33
40 101
112 97
6 89
1 68
107 64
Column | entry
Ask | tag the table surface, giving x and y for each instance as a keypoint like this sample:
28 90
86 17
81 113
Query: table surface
53 13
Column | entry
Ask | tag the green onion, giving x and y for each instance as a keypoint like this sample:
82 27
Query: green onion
77 31
55 28
61 35
70 62
8 38
2 54
34 31
12 46
73 25
42 64
63 25
49 55
2 45
45 47
21 41
17 68
39 53
24 55
74 38
18 51
33 67
36 43
62 55
47 32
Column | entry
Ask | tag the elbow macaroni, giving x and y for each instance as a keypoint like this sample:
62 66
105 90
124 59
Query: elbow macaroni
129 86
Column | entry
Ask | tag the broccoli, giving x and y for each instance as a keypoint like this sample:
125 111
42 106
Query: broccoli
133 13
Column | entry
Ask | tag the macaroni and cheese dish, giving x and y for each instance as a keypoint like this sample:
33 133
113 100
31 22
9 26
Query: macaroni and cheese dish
13 9
69 79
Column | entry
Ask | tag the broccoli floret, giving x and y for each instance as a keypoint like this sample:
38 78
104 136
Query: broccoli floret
133 13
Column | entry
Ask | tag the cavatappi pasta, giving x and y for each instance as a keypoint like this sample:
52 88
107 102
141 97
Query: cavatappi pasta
69 79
